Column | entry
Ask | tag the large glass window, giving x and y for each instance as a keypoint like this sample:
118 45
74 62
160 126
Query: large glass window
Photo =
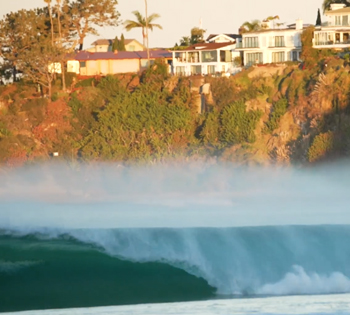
211 69
193 56
278 56
180 70
196 69
251 42
279 41
210 56
253 58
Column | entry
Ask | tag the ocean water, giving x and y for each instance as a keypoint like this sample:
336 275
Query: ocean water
207 239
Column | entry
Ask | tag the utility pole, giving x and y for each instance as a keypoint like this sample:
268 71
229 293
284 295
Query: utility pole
146 17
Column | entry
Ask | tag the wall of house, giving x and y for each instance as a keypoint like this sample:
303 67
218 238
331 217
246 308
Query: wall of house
134 46
125 66
272 46
73 66
105 67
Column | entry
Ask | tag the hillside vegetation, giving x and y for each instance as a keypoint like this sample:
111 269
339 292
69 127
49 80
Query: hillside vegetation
274 114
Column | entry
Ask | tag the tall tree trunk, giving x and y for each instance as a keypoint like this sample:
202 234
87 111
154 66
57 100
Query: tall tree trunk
14 73
51 21
144 37
146 17
60 43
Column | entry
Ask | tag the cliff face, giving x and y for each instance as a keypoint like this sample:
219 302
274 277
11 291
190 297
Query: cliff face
275 114
313 126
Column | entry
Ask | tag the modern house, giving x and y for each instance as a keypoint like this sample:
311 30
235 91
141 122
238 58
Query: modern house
103 63
271 44
335 33
205 58
105 45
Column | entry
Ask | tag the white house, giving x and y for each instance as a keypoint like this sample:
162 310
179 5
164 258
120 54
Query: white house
335 33
222 38
271 44
205 58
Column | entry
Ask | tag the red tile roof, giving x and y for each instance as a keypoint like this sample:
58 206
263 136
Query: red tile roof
154 54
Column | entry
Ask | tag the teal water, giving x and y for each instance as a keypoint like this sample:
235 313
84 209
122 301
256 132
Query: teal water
46 269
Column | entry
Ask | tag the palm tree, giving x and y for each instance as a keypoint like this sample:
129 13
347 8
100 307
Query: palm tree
142 23
252 26
327 3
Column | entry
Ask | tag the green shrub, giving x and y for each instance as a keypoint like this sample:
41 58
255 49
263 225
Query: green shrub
321 146
238 125
278 110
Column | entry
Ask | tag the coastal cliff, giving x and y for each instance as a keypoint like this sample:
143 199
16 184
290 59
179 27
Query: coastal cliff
285 114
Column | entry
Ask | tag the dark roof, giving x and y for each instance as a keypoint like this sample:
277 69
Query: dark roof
207 46
154 54
233 36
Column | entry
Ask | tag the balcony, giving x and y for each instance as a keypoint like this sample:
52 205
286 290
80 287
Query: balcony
334 25
331 43
240 45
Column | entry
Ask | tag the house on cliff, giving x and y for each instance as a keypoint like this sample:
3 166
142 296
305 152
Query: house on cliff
335 32
271 44
205 59
87 63
105 45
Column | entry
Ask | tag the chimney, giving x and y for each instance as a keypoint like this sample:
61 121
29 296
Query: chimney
299 24
337 6
115 51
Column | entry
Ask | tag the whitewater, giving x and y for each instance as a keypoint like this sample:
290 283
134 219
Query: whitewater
237 240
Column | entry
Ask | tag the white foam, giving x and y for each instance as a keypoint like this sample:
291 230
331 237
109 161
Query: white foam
300 282
315 305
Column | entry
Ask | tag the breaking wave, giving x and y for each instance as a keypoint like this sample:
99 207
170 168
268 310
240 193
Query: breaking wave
123 266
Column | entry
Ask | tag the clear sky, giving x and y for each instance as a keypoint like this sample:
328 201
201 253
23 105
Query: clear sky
179 16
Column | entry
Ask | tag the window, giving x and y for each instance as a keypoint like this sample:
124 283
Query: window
278 56
337 20
211 69
251 42
180 70
254 58
294 55
144 63
210 56
279 41
131 47
345 20
82 64
193 56
196 69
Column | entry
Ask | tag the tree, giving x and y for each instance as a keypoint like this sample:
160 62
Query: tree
141 22
28 46
122 43
197 35
327 3
115 44
185 41
252 26
318 20
87 14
